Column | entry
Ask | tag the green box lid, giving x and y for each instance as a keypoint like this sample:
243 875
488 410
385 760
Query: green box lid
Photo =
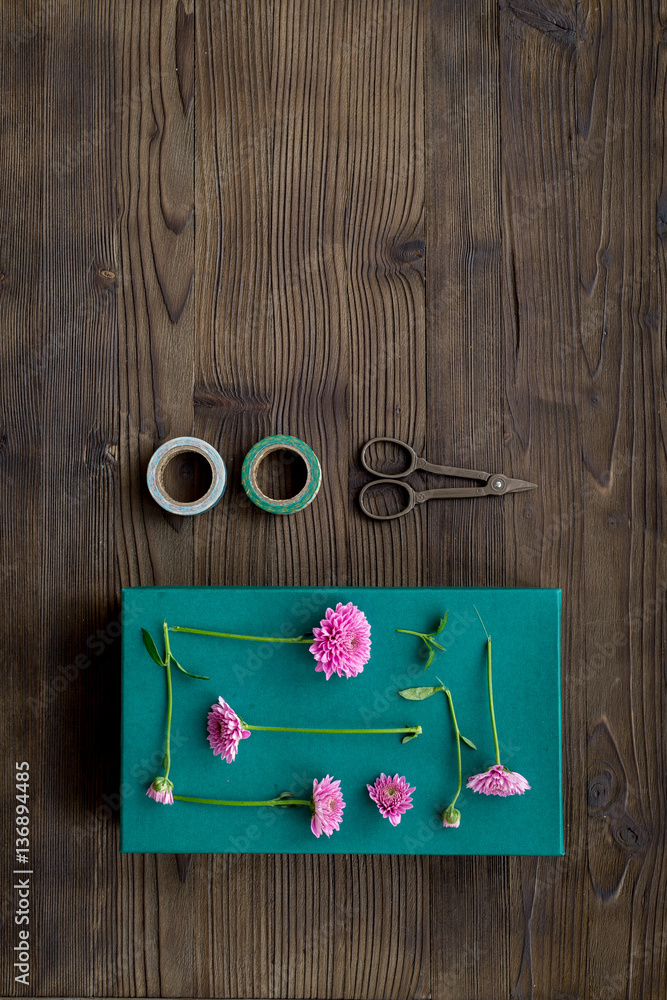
275 684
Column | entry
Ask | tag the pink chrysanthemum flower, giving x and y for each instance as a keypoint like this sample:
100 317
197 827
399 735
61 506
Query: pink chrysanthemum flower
161 789
225 730
327 806
343 642
498 780
451 817
392 796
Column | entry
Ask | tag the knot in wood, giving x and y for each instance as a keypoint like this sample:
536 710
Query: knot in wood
601 790
630 835
105 279
410 251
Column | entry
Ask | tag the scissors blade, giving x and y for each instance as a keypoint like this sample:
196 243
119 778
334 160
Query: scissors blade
519 485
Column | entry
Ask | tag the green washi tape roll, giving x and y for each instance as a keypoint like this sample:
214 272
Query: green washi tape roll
257 454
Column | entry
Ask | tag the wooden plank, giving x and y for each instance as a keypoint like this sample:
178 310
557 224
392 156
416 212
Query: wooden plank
575 315
61 271
154 153
310 312
26 679
540 323
71 345
466 424
620 362
384 248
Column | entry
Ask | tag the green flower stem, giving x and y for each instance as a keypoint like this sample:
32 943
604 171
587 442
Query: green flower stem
490 684
425 636
230 635
428 640
493 714
416 730
167 660
225 802
458 744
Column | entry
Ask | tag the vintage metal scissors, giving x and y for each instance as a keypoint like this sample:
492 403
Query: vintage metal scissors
495 484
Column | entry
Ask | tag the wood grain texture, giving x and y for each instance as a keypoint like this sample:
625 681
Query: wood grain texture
466 422
443 222
59 334
539 313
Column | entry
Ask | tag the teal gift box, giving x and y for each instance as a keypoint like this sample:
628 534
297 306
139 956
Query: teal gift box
275 684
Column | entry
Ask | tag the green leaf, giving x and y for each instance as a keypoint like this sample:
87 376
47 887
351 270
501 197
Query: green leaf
164 760
152 648
419 693
430 659
199 677
410 736
437 645
442 623
467 741
285 799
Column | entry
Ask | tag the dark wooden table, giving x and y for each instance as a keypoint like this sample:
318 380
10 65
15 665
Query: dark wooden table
442 221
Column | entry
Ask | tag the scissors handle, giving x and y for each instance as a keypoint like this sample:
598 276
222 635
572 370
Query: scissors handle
453 470
412 465
417 463
497 485
412 497
416 496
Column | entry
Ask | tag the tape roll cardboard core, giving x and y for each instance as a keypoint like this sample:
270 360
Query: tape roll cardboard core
255 457
162 458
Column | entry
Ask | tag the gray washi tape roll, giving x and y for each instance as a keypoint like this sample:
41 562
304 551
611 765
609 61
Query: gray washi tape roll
161 459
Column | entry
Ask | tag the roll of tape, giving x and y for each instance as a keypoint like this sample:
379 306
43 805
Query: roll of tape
161 459
257 454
